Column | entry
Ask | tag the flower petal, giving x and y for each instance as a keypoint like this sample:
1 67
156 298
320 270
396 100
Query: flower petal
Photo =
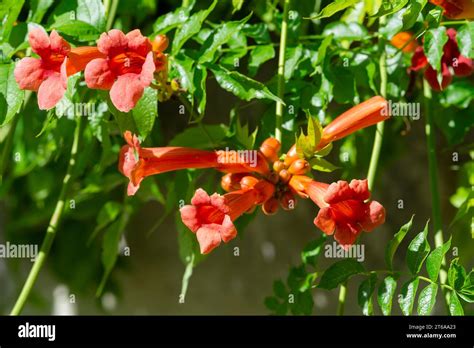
360 189
324 221
431 77
148 69
79 57
189 217
112 42
375 216
29 73
39 42
338 192
345 236
463 66
208 237
126 92
98 74
200 197
51 91
57 44
419 60
228 230
138 43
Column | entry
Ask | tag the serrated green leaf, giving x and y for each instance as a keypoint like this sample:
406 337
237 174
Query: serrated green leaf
389 7
292 59
11 97
408 295
9 11
334 7
315 131
465 39
385 294
418 250
434 41
412 13
190 28
173 19
200 95
365 292
221 35
427 299
322 165
240 85
434 260
455 306
456 275
339 272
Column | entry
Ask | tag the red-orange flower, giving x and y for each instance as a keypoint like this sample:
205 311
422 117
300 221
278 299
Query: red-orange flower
456 9
404 41
211 217
365 114
451 60
345 210
136 162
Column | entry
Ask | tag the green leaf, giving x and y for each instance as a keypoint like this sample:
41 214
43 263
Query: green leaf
201 137
385 294
258 56
459 94
456 275
279 289
346 31
455 306
38 10
434 260
173 19
199 79
315 131
240 85
408 295
311 251
389 7
465 39
244 136
412 13
146 112
83 19
292 59
434 17
9 11
418 250
339 272
467 294
190 28
221 35
237 5
11 97
322 51
435 39
322 165
392 246
334 7
365 292
427 299
183 67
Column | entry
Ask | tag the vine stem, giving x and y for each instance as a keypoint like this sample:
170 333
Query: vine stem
434 185
53 225
111 14
374 158
281 71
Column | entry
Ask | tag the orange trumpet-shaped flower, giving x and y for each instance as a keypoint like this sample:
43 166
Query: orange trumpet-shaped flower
211 217
345 210
456 9
79 57
136 162
363 115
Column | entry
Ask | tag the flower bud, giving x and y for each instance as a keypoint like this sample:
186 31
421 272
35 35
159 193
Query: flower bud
247 182
299 167
288 201
231 181
265 190
285 176
291 156
270 149
270 207
160 43
278 166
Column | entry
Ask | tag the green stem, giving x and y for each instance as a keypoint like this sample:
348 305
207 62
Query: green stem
52 227
433 177
342 298
7 148
281 71
111 14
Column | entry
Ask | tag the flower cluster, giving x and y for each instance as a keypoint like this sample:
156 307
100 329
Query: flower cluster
273 181
125 64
